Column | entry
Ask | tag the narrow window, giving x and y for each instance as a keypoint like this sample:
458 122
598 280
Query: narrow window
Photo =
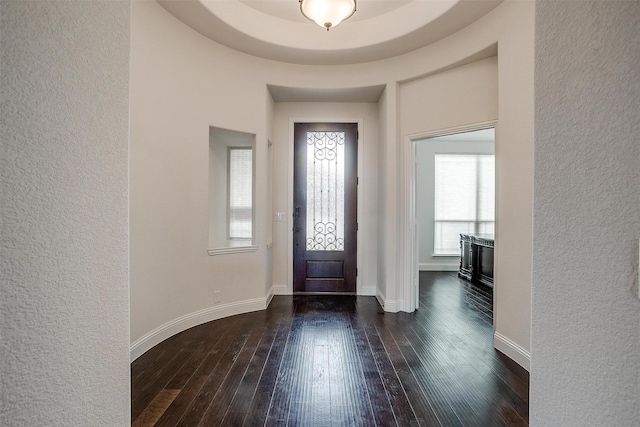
464 199
240 193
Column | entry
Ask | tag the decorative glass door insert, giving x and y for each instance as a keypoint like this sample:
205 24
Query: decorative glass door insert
325 191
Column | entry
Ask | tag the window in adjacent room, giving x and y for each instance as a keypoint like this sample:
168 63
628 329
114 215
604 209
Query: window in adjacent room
464 199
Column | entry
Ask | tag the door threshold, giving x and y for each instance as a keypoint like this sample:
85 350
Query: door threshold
353 294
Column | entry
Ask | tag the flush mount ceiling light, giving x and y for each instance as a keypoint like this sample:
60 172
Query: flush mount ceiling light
327 13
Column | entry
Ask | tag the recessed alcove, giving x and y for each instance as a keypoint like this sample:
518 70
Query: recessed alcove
231 191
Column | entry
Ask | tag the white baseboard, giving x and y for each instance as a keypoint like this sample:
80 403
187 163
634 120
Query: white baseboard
391 306
368 291
424 266
169 329
268 297
281 290
512 350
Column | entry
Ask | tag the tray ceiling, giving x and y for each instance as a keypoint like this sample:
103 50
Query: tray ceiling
275 29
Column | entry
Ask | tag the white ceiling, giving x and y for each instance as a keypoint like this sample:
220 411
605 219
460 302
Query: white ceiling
275 29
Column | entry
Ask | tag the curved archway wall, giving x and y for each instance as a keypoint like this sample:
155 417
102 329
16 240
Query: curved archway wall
182 83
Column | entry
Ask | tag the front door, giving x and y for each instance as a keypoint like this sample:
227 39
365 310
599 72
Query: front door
325 207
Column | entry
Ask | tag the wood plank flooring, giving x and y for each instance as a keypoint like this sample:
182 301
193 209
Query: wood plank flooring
337 361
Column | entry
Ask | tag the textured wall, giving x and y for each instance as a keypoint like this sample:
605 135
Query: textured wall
586 313
63 176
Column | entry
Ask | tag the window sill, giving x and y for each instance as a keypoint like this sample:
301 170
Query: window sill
445 255
232 250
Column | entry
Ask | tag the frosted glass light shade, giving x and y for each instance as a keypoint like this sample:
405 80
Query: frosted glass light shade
327 13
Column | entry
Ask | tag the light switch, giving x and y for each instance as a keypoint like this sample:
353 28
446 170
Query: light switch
281 216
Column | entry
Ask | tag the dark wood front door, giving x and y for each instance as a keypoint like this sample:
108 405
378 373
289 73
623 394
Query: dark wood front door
325 207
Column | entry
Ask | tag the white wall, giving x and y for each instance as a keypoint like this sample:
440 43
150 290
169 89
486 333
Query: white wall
63 177
426 149
366 114
462 96
514 184
586 313
269 212
182 83
494 88
218 188
386 114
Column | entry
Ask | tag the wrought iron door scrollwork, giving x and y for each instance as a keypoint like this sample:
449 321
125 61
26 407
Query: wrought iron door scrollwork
325 238
325 191
325 144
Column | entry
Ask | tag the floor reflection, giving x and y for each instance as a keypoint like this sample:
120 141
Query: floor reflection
338 361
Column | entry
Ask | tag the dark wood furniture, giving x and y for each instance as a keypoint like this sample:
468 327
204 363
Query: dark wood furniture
476 258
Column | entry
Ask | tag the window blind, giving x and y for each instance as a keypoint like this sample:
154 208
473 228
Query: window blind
240 193
464 199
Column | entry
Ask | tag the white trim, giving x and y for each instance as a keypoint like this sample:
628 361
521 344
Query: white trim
169 329
290 167
236 250
426 266
512 350
268 298
369 291
388 305
281 289
391 306
452 130
360 191
409 247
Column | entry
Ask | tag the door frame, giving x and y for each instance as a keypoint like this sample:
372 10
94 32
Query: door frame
290 166
410 268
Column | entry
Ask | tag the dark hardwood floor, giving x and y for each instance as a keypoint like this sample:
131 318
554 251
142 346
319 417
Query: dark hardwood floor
337 361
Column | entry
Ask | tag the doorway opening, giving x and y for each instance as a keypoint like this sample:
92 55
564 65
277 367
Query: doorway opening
451 208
